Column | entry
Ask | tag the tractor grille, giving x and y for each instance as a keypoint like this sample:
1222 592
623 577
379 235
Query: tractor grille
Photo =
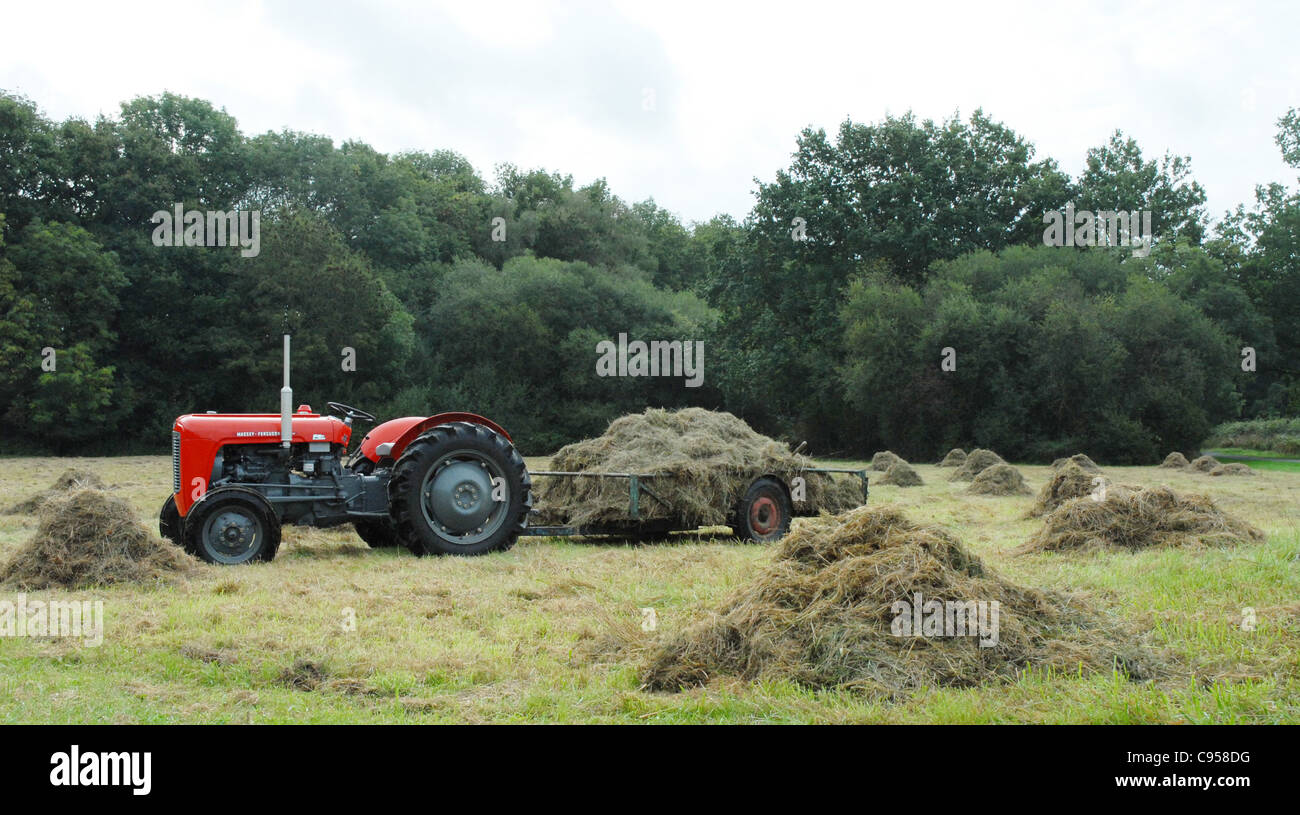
176 462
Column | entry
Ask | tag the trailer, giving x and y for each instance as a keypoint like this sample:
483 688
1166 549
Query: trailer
762 514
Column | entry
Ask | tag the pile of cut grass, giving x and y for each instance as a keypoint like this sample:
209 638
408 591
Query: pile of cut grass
977 461
835 610
1069 482
1000 479
1079 460
1137 519
90 538
901 474
70 480
1175 461
955 458
882 461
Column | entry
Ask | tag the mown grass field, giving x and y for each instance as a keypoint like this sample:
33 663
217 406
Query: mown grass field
529 635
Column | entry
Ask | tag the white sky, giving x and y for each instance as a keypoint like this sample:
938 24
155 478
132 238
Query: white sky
565 86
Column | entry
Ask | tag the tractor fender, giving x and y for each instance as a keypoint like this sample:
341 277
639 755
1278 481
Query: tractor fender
403 431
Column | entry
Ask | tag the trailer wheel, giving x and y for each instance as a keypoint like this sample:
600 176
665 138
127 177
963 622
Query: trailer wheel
763 514
376 533
170 525
459 489
231 526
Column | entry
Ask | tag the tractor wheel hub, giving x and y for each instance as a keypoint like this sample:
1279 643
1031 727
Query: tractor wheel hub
460 497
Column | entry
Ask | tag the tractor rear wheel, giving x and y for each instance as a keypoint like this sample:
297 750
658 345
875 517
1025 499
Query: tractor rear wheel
376 533
170 525
231 526
763 514
459 489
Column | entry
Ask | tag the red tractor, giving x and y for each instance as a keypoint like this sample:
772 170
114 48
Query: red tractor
452 483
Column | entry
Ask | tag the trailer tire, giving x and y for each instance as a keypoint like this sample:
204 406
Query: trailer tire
763 514
442 496
231 526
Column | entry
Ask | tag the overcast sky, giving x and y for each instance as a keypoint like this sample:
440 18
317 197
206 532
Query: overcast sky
685 103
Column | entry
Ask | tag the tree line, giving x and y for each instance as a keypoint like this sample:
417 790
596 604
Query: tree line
889 288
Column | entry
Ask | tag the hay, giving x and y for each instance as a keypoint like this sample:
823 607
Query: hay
901 474
955 458
1068 483
882 461
976 462
824 614
705 461
1000 479
1204 464
1079 460
1175 461
1232 469
1137 519
90 538
69 480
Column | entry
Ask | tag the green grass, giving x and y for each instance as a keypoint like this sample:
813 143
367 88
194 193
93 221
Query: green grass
533 634
1291 466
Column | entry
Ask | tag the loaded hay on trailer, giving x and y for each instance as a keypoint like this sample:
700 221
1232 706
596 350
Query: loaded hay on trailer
90 538
836 609
704 460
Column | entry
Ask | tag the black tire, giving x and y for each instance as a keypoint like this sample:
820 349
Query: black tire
170 525
376 533
231 526
763 514
441 494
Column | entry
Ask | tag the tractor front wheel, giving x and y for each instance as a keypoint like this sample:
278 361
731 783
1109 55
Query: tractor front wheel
232 526
459 489
170 525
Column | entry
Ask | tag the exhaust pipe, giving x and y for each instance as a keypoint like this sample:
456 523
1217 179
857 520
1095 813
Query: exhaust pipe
286 402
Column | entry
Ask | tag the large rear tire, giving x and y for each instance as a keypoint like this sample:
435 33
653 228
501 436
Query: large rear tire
231 526
459 489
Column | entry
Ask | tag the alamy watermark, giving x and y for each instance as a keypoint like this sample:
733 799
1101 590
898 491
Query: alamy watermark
1069 227
946 618
53 618
681 358
194 227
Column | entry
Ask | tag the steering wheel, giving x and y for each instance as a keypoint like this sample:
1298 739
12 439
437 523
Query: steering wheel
350 413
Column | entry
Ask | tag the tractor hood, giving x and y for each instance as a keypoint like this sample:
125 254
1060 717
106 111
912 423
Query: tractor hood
246 428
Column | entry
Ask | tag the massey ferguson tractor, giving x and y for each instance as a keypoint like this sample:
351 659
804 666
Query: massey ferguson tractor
446 484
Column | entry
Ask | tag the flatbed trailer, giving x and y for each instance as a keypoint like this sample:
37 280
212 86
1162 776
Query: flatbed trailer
763 513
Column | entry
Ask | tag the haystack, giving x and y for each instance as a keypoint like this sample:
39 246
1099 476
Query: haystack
90 538
1000 479
955 458
976 462
1079 460
901 474
69 480
1204 464
1069 482
882 461
1174 461
704 461
1141 519
1232 469
836 610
